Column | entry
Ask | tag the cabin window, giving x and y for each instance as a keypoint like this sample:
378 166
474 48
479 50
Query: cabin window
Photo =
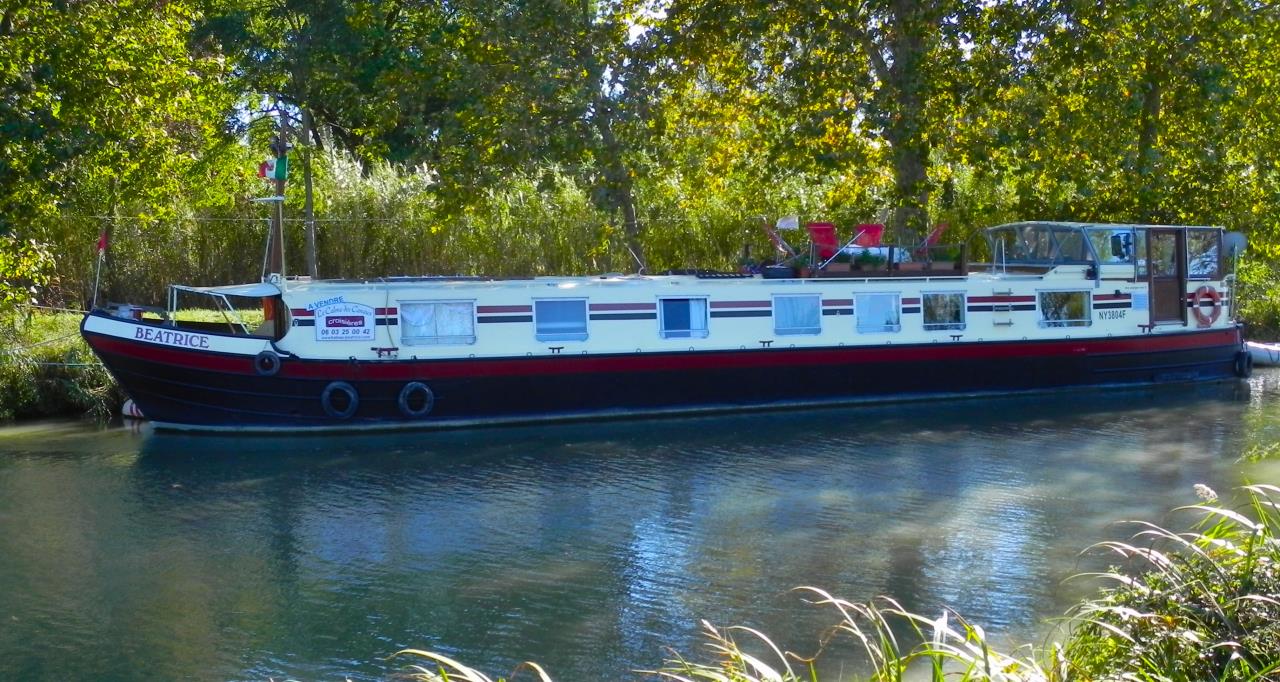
425 323
797 314
1202 254
1040 244
877 313
1113 245
1065 309
682 318
1164 256
943 311
560 319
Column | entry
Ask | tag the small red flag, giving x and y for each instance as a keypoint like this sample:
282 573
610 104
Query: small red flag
102 242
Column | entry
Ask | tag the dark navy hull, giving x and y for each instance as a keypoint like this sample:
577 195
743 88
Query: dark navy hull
195 388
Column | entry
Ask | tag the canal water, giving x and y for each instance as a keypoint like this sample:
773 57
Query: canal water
592 549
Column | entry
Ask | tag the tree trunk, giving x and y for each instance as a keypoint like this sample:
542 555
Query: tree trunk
618 177
1148 132
910 168
897 62
908 138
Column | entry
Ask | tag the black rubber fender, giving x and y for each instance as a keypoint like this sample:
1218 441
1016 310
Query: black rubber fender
353 400
266 363
407 394
1244 364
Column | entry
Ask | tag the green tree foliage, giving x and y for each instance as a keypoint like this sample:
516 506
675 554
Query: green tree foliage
557 135
868 88
26 267
103 104
1134 112
104 111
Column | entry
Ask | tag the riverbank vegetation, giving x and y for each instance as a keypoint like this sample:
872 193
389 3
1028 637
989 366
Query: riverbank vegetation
47 370
523 138
1200 604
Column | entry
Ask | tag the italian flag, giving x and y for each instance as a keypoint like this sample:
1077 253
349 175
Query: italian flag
274 169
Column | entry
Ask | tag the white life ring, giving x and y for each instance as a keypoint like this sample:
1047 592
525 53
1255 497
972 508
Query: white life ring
1206 319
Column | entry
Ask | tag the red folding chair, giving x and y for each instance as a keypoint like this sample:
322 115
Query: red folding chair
823 236
931 240
868 234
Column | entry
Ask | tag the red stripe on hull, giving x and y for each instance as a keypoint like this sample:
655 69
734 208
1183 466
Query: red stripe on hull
218 362
753 359
667 361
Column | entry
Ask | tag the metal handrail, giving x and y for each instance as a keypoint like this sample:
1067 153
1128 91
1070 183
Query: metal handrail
841 249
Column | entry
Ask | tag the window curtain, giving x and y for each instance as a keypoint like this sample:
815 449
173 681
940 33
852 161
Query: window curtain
437 323
684 317
797 314
877 312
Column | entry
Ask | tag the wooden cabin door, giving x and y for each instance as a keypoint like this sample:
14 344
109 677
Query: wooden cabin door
1167 273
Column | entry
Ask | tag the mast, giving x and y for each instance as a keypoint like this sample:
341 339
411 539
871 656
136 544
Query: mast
275 240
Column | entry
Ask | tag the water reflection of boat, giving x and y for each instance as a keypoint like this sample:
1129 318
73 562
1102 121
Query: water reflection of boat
1063 305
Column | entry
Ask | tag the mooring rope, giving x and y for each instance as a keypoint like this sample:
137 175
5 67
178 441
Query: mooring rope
37 344
49 307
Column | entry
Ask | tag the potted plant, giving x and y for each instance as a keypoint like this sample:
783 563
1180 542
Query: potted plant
867 261
801 264
843 262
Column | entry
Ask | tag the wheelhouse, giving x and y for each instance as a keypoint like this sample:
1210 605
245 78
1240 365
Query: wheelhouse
1141 248
245 309
1166 257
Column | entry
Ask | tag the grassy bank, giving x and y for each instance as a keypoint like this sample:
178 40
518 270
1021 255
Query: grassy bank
1201 604
46 370
1259 302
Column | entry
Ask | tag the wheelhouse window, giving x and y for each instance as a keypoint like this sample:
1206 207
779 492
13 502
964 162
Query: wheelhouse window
1113 244
560 319
682 318
1202 254
1042 244
877 313
426 323
797 314
944 311
1065 309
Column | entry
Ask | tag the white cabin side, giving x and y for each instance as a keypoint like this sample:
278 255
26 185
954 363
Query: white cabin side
1049 281
653 314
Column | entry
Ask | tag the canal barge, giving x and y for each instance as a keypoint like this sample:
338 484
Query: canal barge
1060 305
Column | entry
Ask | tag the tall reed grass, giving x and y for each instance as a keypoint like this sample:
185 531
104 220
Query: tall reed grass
46 370
1197 605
